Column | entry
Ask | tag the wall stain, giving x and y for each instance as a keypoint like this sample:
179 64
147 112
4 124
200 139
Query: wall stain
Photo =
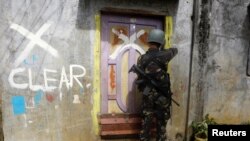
203 37
50 97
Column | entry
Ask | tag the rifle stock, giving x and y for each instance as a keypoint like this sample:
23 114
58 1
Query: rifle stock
140 72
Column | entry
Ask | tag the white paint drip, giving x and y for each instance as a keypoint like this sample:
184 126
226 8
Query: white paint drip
88 85
30 104
60 96
30 121
76 99
25 120
56 106
34 39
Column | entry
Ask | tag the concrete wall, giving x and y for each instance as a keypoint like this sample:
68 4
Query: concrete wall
50 37
220 86
40 35
55 38
228 85
180 67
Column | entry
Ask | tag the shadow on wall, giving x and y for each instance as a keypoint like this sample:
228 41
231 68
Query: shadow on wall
1 124
88 8
248 12
233 22
236 24
134 100
83 20
248 25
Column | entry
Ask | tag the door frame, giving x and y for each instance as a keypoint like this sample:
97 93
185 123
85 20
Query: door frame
127 20
168 22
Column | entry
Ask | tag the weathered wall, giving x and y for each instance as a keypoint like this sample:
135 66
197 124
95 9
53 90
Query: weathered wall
228 85
180 67
50 37
35 36
220 86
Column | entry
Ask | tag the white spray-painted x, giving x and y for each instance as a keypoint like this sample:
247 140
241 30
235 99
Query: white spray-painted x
35 39
128 42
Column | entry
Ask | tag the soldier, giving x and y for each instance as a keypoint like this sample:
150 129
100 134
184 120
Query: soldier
155 101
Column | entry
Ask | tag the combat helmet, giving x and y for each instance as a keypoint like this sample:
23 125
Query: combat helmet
157 36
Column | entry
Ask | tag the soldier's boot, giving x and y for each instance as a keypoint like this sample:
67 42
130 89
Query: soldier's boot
146 125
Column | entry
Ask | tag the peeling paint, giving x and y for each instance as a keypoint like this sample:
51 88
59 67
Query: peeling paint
112 77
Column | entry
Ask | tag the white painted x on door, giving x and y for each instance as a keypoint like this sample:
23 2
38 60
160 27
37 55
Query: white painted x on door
123 41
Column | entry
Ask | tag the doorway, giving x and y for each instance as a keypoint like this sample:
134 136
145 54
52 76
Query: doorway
124 39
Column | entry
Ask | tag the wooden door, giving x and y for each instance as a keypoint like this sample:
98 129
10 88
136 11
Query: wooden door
123 41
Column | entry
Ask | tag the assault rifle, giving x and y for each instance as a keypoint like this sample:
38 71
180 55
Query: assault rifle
140 72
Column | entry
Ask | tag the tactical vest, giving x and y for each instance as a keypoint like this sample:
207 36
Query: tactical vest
154 65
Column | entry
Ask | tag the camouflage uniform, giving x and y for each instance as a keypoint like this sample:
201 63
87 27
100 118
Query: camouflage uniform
154 103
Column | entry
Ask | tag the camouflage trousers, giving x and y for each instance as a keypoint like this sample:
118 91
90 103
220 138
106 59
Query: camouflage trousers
157 106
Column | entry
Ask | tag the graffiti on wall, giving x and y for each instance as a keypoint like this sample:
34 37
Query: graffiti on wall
18 103
35 39
49 84
64 80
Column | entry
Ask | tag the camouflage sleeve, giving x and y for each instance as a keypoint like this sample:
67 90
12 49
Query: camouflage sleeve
170 53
